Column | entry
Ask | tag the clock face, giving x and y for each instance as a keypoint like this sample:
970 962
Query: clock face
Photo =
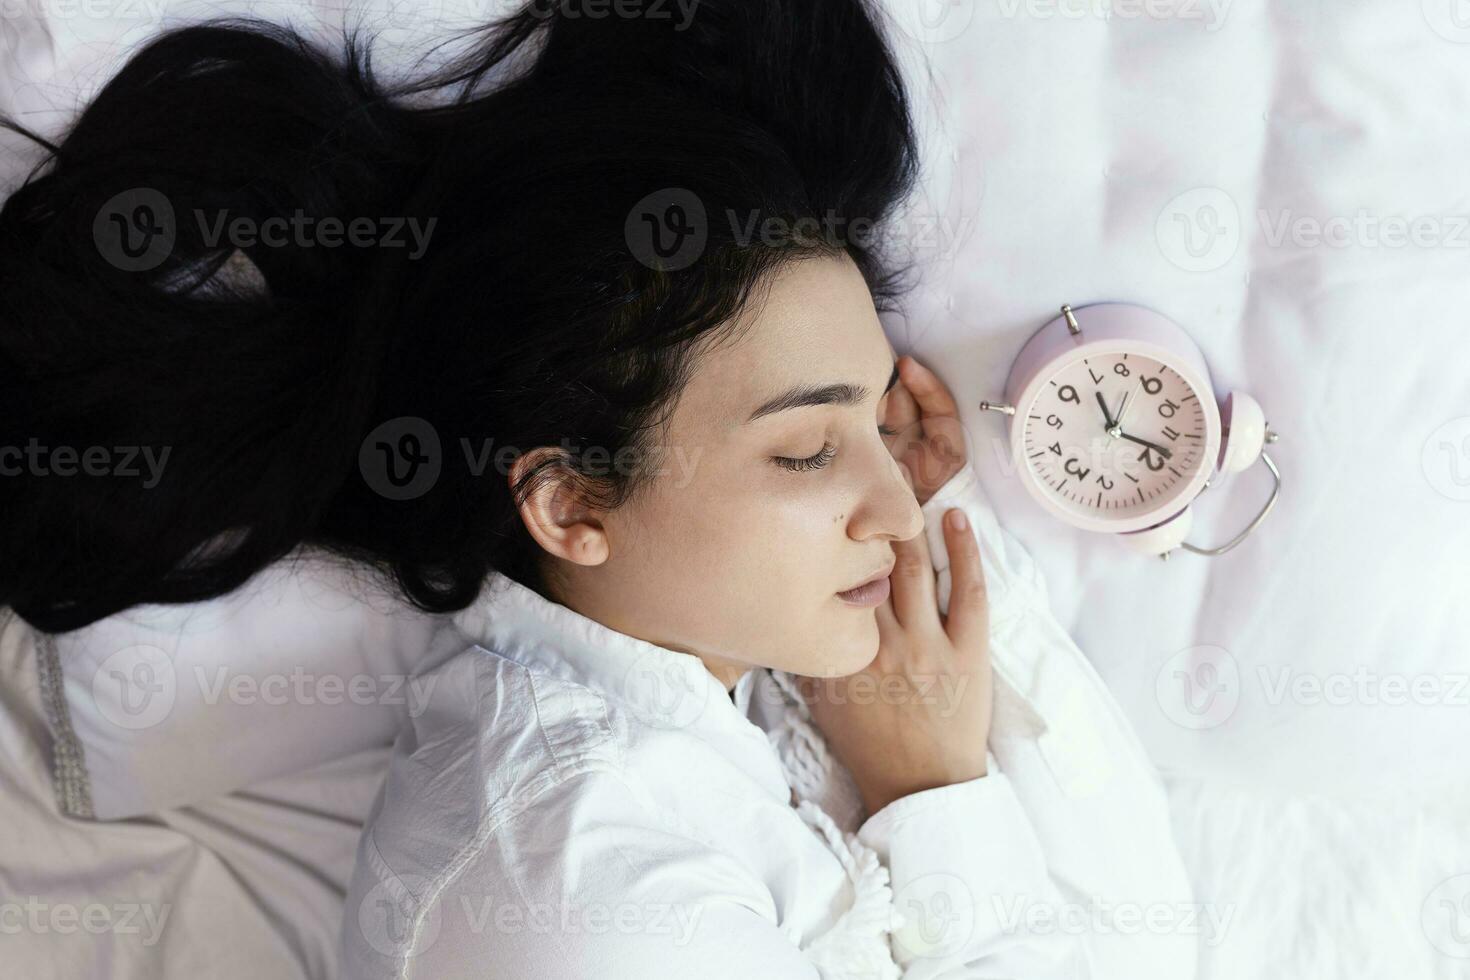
1114 435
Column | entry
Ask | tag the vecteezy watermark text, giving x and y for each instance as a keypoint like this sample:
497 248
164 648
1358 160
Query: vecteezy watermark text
306 231
39 917
36 459
137 229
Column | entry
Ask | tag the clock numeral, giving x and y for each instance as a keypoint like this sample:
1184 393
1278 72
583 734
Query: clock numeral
1096 378
1074 398
1104 482
1053 421
1147 457
1056 447
1173 436
1153 385
1168 409
1120 369
1075 468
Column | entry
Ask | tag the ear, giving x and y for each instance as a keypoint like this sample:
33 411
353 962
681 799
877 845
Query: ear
555 515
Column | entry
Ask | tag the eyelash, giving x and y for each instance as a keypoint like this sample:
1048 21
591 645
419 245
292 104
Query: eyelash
822 458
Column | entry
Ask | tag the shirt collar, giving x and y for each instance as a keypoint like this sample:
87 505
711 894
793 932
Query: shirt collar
663 688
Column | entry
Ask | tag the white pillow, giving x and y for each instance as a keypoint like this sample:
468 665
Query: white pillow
163 706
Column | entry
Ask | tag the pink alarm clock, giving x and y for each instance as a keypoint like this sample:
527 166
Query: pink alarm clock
1115 428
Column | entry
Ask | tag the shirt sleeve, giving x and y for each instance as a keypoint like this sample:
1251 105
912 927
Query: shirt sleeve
966 870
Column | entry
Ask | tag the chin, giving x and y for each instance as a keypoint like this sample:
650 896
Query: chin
857 650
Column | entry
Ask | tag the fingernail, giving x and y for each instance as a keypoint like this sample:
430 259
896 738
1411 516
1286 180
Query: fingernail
956 519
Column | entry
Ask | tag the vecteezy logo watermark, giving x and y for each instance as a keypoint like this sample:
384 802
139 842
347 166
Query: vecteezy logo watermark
674 920
1363 686
135 687
1450 19
56 12
135 231
1198 687
38 917
301 686
621 9
1099 918
401 459
138 687
933 21
400 917
403 919
1199 230
35 459
938 915
1446 459
306 231
942 691
666 690
939 235
1445 917
668 229
1211 13
1364 229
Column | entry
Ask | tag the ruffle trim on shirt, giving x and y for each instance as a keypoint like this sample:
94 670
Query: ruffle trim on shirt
857 945
802 750
811 770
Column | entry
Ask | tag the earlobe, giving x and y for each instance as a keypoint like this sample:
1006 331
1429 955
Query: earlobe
555 516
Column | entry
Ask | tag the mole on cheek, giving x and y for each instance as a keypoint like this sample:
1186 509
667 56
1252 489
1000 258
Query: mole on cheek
838 518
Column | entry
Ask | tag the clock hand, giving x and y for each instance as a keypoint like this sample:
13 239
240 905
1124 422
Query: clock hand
1107 418
1115 426
1123 408
1142 442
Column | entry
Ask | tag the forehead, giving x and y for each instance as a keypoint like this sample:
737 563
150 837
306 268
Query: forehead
815 324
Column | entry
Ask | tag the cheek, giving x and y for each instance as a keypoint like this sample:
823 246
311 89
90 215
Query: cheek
766 543
754 572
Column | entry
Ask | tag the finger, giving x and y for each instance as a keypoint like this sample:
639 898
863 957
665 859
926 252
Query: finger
915 602
941 433
890 638
968 620
944 441
902 410
933 398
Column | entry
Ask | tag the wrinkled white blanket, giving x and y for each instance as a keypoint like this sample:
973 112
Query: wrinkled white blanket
1286 179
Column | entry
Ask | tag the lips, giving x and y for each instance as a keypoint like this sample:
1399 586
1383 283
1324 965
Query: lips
883 572
869 592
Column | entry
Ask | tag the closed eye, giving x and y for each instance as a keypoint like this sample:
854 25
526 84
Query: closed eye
821 459
802 465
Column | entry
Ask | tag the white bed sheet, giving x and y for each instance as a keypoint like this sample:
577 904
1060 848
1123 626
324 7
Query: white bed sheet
246 886
1067 153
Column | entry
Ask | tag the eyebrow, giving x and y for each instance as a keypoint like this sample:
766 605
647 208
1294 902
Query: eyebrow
803 396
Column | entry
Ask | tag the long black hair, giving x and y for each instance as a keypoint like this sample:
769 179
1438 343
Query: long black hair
257 299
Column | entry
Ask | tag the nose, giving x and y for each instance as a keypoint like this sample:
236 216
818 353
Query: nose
887 508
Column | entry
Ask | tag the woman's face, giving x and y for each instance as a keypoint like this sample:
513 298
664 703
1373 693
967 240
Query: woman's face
735 553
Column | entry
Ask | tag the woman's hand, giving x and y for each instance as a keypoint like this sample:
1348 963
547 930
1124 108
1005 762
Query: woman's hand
918 716
928 437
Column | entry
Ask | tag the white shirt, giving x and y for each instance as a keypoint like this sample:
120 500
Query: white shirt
576 802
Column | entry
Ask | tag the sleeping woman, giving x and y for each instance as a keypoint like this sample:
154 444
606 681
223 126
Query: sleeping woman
743 679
